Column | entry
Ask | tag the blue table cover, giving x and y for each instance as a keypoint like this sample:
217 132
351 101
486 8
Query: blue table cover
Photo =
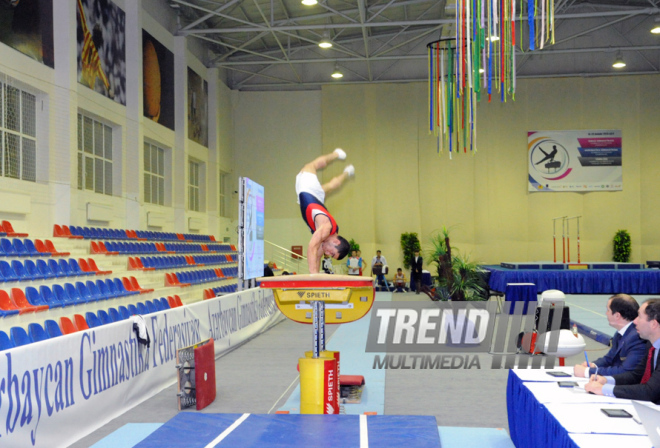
642 281
520 293
531 425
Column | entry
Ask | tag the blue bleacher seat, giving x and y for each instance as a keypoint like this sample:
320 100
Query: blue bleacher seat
19 248
61 294
73 293
164 304
94 291
19 269
114 315
103 317
92 320
85 293
7 248
45 270
65 268
55 267
112 288
75 268
132 309
37 332
49 299
33 296
32 271
5 342
105 291
52 328
31 249
19 336
142 309
151 308
123 312
8 273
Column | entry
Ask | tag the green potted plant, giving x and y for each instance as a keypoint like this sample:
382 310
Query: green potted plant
458 279
622 247
353 246
409 244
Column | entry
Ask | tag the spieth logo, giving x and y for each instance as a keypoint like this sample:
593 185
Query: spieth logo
329 409
301 294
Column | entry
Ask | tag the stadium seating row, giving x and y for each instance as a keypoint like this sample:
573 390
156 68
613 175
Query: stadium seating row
155 263
29 270
220 290
33 299
130 248
97 233
28 248
187 278
35 333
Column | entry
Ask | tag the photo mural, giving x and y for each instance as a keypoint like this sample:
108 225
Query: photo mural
27 26
158 81
198 91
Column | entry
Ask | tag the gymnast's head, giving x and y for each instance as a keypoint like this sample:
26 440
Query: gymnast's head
335 246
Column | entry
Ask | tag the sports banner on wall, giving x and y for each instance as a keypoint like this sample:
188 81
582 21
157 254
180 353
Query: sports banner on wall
56 391
587 160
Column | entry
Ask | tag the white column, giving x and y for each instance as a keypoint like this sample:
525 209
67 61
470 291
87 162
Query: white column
212 171
179 159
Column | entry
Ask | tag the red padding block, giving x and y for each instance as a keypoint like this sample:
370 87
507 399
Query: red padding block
351 380
205 374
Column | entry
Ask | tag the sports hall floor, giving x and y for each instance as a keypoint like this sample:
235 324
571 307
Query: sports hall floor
260 377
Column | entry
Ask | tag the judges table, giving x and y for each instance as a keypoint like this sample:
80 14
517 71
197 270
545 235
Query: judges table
542 414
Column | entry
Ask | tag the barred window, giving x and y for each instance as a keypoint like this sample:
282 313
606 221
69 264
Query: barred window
223 208
18 132
193 185
154 174
94 155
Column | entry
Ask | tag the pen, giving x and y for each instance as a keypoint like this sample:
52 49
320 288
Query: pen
586 358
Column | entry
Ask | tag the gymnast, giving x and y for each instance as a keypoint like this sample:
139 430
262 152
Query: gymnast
311 196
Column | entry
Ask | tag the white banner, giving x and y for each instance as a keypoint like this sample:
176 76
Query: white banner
587 160
55 392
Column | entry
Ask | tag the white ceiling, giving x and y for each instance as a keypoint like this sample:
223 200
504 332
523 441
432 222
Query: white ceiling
272 44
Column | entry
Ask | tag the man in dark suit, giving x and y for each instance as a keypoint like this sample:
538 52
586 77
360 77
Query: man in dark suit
628 349
643 383
416 271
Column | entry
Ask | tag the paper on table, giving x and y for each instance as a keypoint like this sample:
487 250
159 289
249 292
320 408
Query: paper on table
552 393
587 418
602 440
542 374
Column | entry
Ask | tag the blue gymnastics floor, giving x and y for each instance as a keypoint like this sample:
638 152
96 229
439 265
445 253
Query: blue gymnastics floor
294 430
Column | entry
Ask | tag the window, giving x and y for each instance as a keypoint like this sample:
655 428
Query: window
193 185
154 174
18 132
94 155
223 208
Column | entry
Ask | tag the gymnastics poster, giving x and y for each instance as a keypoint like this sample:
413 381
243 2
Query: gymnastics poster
27 26
198 92
158 81
589 160
101 40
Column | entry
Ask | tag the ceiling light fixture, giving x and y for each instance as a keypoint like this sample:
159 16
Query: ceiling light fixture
656 28
325 42
337 74
309 2
493 38
618 62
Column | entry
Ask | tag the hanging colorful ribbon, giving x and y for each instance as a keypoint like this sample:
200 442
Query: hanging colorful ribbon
481 56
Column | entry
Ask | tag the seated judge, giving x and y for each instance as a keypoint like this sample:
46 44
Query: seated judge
627 350
643 383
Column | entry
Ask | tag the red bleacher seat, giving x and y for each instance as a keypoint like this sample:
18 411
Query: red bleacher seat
58 232
105 250
219 273
18 296
209 294
132 285
9 230
178 301
81 323
67 326
7 304
172 302
92 264
54 252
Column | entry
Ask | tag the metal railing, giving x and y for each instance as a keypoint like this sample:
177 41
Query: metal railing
285 259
